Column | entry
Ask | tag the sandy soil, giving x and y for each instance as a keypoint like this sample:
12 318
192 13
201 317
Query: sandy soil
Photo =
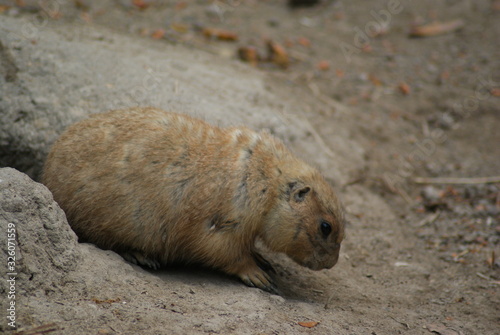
418 258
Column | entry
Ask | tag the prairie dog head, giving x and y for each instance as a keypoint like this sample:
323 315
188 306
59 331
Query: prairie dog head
307 223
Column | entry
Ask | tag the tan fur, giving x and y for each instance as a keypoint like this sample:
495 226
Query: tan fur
162 187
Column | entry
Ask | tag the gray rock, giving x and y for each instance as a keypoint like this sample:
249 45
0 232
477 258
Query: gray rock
44 246
38 246
431 194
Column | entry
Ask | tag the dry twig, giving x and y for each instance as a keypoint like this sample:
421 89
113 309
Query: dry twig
430 219
436 28
401 322
480 275
457 181
43 329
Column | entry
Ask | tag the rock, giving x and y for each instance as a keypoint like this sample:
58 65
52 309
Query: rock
431 194
45 245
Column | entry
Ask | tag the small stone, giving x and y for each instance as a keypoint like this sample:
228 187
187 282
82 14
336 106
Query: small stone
430 193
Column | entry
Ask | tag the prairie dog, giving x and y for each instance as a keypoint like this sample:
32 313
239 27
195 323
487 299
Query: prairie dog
160 187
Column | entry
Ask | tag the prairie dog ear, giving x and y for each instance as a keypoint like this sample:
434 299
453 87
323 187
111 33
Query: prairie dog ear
298 191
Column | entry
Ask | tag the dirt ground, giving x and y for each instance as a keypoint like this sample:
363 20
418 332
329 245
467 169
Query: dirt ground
419 257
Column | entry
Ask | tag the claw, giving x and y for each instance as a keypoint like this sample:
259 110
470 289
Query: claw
260 279
273 289
251 269
139 258
263 263
247 281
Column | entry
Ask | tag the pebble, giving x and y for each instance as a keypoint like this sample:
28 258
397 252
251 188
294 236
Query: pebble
431 193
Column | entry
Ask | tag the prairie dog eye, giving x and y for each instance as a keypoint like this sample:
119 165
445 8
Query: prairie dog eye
326 228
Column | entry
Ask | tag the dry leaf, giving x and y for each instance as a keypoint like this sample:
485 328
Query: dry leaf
158 34
304 42
367 48
308 324
223 35
404 88
436 28
278 54
249 54
375 80
323 65
495 5
141 4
